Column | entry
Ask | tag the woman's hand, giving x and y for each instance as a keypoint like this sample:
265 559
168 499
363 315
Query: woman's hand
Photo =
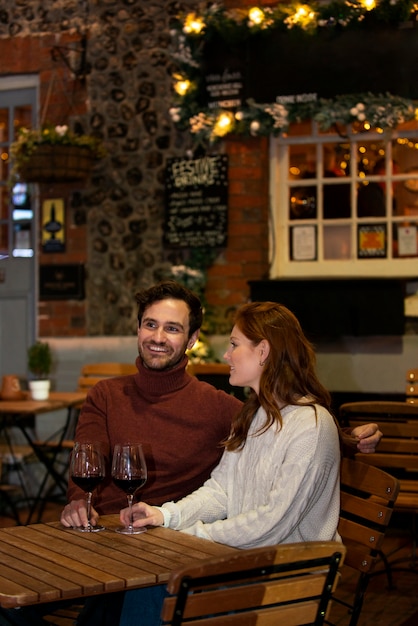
368 437
142 515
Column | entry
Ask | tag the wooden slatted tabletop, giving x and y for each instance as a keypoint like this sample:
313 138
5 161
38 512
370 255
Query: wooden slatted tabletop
46 562
57 400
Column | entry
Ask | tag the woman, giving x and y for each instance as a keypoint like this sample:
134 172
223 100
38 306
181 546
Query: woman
278 479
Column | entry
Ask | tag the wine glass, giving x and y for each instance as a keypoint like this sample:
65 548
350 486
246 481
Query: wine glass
129 472
87 471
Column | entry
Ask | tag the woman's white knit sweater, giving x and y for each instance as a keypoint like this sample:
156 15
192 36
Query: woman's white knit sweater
282 487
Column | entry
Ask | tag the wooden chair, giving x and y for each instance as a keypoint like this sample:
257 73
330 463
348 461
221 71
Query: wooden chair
208 369
93 372
217 374
368 495
287 584
7 495
412 386
397 452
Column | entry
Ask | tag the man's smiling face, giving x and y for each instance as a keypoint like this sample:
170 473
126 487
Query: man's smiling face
163 334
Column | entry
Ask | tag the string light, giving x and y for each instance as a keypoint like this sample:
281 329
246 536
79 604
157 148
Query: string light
223 124
256 16
182 85
369 5
193 24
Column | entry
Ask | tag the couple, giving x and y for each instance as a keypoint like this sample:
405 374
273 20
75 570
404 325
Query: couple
247 475
272 478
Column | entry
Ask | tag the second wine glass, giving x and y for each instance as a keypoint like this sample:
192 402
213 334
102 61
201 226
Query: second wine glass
129 472
87 471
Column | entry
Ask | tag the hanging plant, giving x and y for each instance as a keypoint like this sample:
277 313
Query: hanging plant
53 154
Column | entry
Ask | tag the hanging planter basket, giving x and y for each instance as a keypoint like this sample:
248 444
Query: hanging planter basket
57 164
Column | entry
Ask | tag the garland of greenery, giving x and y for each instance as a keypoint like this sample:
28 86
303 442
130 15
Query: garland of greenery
381 111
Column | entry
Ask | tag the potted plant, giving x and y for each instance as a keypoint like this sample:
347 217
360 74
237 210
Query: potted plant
53 154
40 364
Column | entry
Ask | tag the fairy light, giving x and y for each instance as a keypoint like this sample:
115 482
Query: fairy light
223 124
182 85
256 16
193 24
302 16
369 5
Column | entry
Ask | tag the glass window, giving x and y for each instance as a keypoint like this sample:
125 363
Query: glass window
345 202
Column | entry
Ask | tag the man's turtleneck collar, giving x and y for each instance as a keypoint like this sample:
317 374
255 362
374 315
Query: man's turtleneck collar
158 382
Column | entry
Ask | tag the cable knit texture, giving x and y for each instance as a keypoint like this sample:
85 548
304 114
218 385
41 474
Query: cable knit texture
179 420
282 487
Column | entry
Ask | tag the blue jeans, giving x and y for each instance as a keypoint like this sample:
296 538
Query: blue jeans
142 607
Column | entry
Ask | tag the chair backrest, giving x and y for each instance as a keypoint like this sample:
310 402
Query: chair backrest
368 495
208 369
398 449
93 372
287 584
412 386
217 374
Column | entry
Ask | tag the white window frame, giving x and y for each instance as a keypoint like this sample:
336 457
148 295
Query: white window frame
281 264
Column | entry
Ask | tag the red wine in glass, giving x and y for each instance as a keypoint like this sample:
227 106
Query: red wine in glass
129 473
87 470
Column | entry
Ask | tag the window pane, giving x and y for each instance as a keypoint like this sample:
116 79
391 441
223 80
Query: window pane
337 242
23 118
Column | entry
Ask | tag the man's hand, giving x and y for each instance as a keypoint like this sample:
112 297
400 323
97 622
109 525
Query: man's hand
142 515
367 437
74 514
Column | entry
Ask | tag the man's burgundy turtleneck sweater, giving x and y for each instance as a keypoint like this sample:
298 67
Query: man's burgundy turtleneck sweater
179 420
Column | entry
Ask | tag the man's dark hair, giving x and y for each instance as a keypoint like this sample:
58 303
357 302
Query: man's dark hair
171 289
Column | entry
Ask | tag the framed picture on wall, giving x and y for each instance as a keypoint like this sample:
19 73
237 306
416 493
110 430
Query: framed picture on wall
53 225
372 241
303 244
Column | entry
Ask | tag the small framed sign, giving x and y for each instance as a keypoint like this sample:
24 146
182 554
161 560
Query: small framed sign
61 282
303 246
372 241
53 225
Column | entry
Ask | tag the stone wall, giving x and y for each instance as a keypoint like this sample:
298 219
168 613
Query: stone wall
114 221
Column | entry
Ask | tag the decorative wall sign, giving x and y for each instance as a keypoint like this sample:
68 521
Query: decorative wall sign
257 71
292 65
372 241
53 225
196 202
61 282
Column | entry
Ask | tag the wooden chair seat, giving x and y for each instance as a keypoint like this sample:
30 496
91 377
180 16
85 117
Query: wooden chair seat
286 584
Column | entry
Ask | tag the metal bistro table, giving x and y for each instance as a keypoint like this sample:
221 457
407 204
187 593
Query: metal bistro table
16 413
46 562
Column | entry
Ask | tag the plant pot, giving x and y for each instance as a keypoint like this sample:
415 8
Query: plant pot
39 389
57 163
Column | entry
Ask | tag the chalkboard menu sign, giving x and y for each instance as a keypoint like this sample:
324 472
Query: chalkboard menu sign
196 202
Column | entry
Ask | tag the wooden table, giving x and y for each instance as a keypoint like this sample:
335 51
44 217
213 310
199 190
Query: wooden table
46 562
57 400
16 412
